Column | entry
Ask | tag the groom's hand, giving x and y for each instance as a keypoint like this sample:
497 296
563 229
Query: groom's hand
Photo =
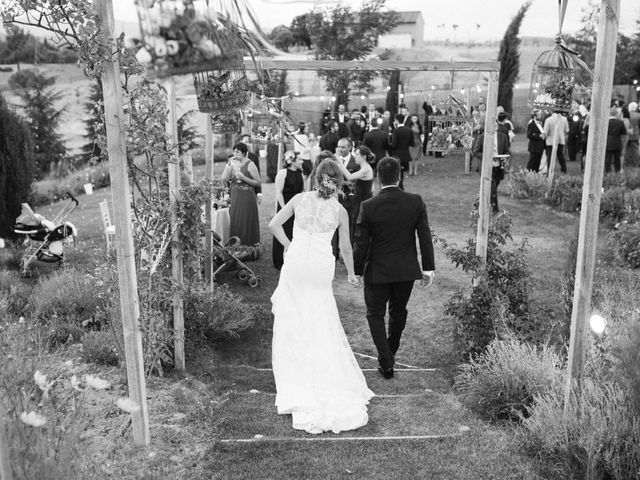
427 278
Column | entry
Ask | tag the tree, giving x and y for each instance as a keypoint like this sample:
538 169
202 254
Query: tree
300 30
627 66
509 58
16 49
346 34
281 37
42 115
17 167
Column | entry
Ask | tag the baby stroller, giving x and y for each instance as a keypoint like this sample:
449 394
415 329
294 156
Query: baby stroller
45 239
228 259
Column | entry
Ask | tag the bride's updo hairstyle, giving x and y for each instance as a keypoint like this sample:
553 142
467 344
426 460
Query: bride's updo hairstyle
328 178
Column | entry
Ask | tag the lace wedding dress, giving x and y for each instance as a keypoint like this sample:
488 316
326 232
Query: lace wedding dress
317 378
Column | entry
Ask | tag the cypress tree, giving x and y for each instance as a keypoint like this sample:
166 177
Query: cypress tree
17 167
509 58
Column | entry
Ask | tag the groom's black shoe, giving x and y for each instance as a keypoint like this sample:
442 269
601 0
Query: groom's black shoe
387 373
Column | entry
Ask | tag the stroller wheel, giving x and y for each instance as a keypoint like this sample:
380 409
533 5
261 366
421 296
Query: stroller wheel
243 275
253 282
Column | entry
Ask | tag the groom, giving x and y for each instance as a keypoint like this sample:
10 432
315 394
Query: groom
385 250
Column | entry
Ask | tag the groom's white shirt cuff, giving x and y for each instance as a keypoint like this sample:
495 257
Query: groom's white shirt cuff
430 273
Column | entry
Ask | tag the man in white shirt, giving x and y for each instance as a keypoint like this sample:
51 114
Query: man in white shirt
550 131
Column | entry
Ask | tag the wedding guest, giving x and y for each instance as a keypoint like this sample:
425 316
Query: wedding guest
302 144
549 134
243 212
416 150
575 128
401 141
255 158
428 109
362 180
288 183
377 141
500 147
535 134
616 137
329 141
356 127
632 156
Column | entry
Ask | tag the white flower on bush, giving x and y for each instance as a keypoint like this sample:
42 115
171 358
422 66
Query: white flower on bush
75 383
41 381
33 419
96 382
127 405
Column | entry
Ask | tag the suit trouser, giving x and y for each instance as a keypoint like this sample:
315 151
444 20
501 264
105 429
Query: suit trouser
612 157
563 164
573 145
376 298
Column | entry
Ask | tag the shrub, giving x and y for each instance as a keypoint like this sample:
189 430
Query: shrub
17 167
629 179
501 383
626 244
527 184
210 316
566 193
612 203
632 206
99 347
501 297
51 189
595 436
568 284
70 295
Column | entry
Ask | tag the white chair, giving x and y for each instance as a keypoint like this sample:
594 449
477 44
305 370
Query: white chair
109 229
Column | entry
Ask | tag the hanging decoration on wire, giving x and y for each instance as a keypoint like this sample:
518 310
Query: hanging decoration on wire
268 123
450 126
558 75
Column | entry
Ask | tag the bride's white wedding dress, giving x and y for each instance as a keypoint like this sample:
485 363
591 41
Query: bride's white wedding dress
318 380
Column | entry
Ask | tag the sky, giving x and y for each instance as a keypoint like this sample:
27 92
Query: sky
476 19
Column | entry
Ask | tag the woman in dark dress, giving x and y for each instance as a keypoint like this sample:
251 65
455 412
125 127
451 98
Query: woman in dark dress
362 182
288 182
243 177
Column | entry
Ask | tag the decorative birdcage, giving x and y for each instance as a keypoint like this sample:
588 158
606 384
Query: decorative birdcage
219 91
228 122
450 127
558 77
187 36
265 121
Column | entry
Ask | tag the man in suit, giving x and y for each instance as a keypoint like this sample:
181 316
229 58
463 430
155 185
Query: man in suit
377 141
401 140
549 134
385 255
329 141
535 134
346 158
616 138
500 147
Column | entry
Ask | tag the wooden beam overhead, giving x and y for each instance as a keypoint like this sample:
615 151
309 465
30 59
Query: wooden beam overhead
372 65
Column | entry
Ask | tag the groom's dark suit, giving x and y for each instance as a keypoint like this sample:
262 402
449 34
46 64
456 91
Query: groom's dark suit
385 251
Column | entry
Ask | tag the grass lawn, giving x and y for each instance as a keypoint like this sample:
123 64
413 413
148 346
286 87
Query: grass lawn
191 415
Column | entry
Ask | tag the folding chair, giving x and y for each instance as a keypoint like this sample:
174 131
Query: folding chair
109 229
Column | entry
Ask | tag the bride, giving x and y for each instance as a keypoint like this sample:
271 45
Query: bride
318 380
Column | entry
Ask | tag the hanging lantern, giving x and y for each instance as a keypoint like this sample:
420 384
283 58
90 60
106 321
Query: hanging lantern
450 127
219 91
558 77
265 122
225 122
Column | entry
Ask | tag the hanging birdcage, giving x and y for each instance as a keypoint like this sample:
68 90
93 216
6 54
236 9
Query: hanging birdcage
265 122
188 36
558 77
225 122
450 127
219 91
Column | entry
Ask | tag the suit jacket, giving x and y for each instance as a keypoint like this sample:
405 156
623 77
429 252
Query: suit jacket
352 166
534 134
378 142
385 238
329 141
401 140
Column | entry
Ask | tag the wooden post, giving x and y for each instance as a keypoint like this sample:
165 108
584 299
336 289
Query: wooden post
208 173
554 155
5 466
177 267
127 279
484 209
467 153
592 190
187 164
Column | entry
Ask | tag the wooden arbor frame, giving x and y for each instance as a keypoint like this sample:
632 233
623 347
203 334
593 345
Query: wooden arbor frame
492 68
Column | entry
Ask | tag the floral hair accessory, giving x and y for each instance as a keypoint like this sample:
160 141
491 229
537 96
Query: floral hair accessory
326 187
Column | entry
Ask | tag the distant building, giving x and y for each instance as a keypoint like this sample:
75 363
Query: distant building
408 33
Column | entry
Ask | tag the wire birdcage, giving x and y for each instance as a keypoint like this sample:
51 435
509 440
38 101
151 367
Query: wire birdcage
219 91
225 122
450 127
558 77
265 122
